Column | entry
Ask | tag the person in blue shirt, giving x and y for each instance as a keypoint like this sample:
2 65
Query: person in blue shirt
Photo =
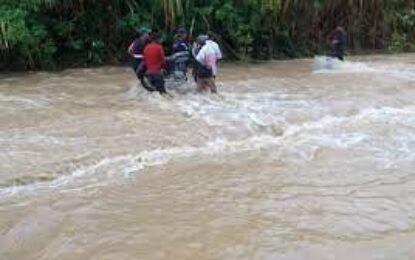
181 53
338 43
181 43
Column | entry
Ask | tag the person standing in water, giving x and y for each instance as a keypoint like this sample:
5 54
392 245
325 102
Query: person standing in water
205 62
215 46
136 50
338 42
155 61
181 53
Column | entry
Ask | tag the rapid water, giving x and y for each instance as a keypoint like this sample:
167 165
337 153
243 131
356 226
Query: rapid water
288 163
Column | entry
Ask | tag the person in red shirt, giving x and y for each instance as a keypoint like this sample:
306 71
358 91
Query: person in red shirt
154 61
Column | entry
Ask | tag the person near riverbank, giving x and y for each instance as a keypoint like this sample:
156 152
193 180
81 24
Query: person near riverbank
338 42
205 63
136 50
154 60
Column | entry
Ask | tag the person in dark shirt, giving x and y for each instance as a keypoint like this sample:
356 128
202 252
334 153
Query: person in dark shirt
338 42
136 50
181 45
178 61
155 61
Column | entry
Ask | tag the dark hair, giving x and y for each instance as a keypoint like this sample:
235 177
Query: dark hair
211 35
156 36
201 39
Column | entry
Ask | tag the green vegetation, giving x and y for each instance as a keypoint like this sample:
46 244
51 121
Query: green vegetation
53 33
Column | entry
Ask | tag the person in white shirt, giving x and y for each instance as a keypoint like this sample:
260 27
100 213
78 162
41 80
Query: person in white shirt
205 62
215 46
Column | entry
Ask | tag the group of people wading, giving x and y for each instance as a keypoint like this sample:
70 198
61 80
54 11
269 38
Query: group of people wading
151 65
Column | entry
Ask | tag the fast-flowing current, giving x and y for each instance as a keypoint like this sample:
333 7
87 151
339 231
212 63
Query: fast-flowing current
289 162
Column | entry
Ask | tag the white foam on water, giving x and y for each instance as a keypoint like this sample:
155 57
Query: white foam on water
261 114
386 115
327 65
125 165
18 102
134 91
266 113
302 139
373 130
398 71
31 139
324 64
238 111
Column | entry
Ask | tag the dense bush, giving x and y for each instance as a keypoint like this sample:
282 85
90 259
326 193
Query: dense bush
56 33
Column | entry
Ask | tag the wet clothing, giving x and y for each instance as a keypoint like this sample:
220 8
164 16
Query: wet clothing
202 71
181 46
154 60
215 47
137 50
207 57
205 61
195 63
137 47
339 45
180 58
157 81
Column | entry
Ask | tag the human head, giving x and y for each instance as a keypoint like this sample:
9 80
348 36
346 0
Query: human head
144 32
181 33
156 37
201 39
340 28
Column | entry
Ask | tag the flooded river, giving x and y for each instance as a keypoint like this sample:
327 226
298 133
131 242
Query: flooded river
289 163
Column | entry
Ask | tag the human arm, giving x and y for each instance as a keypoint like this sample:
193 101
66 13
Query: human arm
131 48
195 50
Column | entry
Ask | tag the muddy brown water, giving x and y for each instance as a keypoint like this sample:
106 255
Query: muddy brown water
289 163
